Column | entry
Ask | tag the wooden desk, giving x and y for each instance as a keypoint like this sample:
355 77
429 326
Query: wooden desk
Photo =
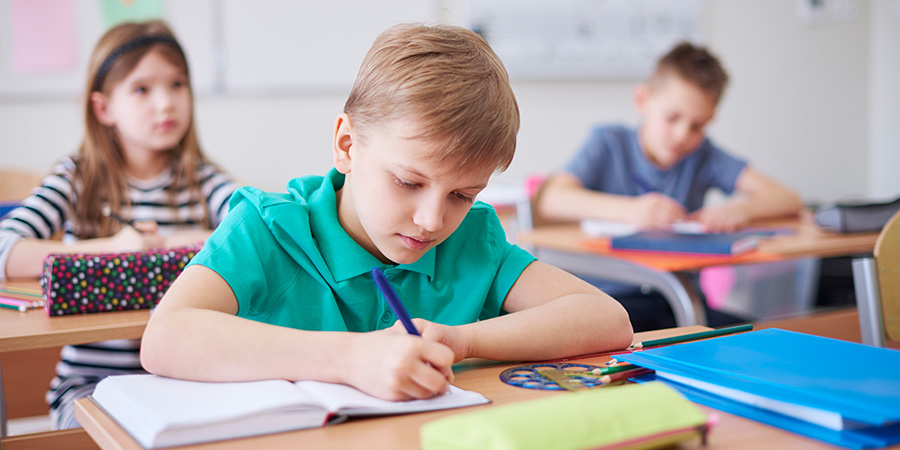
402 432
34 330
569 248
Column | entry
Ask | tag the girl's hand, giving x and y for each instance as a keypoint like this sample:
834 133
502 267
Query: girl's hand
654 211
142 236
398 366
187 237
726 217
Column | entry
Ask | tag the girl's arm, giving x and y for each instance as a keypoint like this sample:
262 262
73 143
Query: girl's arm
553 315
563 198
195 334
26 257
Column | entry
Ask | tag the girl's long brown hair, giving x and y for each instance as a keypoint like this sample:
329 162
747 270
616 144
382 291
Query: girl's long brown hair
100 173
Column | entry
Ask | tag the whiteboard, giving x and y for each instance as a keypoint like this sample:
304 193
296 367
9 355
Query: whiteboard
275 47
238 46
583 39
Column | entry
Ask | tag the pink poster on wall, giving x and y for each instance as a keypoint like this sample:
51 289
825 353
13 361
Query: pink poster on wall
44 36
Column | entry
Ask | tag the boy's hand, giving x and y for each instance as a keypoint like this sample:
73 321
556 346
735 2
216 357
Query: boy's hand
142 236
449 336
397 366
654 210
723 218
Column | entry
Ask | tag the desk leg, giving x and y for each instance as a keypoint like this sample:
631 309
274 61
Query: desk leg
868 301
2 407
676 289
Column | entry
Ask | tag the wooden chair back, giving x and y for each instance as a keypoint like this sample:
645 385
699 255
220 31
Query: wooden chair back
17 184
887 262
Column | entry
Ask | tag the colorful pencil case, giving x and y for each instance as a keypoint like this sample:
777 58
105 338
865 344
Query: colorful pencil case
91 283
635 416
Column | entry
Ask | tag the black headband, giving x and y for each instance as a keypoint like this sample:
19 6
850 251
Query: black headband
140 41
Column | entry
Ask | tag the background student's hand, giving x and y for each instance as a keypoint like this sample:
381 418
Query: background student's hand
450 336
395 365
723 218
187 237
655 210
142 236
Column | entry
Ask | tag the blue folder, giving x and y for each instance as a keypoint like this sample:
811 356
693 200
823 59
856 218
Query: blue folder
859 382
703 243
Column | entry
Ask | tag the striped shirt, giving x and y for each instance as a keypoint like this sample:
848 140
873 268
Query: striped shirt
51 209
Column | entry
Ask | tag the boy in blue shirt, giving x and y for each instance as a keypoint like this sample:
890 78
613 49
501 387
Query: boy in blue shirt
282 289
659 173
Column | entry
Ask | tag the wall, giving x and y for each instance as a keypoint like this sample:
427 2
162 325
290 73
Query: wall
884 99
798 108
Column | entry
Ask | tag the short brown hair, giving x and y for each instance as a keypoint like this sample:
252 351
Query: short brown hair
695 65
449 81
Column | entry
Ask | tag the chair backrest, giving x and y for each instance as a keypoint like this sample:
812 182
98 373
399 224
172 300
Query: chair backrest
887 261
17 184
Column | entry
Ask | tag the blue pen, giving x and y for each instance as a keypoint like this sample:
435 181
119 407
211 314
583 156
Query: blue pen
390 296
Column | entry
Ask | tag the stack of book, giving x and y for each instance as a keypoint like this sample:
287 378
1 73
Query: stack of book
839 392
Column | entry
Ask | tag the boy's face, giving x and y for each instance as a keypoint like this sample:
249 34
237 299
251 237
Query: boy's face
674 115
397 202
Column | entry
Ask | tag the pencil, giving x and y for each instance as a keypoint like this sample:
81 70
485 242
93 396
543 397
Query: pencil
692 336
108 212
20 308
613 369
19 303
21 291
624 375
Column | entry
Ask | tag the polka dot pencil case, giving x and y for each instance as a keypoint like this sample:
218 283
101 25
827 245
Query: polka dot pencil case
91 283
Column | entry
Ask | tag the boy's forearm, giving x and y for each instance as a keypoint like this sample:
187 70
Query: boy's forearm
565 202
575 324
778 204
206 345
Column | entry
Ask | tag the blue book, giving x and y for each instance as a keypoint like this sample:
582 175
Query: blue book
705 243
840 392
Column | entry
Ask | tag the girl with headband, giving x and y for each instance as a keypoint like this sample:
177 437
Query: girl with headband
138 181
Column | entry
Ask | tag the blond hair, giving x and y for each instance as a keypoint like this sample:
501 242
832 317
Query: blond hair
450 83
697 66
100 174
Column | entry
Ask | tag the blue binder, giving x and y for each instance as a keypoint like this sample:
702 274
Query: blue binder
858 382
703 243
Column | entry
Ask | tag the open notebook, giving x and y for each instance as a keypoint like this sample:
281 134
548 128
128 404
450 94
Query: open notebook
164 412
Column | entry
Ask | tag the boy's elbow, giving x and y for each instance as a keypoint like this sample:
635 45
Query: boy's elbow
153 347
623 333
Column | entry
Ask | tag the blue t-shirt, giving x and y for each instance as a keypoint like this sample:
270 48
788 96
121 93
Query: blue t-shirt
613 161
290 263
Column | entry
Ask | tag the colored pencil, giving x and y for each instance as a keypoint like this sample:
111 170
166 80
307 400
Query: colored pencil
624 375
21 291
613 369
20 303
20 308
692 336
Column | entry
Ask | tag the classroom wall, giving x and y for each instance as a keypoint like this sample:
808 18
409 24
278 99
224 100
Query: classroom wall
809 105
884 99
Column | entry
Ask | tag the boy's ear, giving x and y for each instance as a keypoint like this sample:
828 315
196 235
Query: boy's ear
343 141
100 106
641 95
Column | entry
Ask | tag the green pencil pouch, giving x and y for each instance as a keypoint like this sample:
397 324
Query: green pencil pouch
633 416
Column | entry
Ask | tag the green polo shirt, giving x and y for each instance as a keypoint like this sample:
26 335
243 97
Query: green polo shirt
289 263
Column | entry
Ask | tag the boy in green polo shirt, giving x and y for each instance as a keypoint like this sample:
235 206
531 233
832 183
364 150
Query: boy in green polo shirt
282 288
